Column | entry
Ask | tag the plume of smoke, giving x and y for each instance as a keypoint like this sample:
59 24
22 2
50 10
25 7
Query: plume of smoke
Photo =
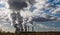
17 5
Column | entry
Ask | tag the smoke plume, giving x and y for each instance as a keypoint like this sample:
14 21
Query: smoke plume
16 6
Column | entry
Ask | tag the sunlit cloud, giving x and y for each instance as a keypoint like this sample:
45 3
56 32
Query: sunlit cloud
56 11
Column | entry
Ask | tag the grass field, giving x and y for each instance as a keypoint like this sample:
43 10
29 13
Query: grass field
31 33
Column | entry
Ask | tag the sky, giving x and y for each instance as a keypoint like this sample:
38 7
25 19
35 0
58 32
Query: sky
42 9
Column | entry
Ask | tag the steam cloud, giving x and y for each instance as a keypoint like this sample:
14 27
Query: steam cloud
17 5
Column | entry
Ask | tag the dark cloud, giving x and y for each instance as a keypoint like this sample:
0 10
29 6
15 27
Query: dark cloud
17 5
31 1
42 19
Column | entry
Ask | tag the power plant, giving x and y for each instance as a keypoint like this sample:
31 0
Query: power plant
16 6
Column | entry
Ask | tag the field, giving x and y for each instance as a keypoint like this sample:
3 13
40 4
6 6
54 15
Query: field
31 33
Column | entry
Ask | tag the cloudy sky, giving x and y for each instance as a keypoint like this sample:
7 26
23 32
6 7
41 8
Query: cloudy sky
46 14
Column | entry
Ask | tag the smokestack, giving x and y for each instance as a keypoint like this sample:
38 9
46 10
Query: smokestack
30 20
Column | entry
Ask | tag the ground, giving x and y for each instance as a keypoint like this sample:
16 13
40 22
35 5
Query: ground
31 33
